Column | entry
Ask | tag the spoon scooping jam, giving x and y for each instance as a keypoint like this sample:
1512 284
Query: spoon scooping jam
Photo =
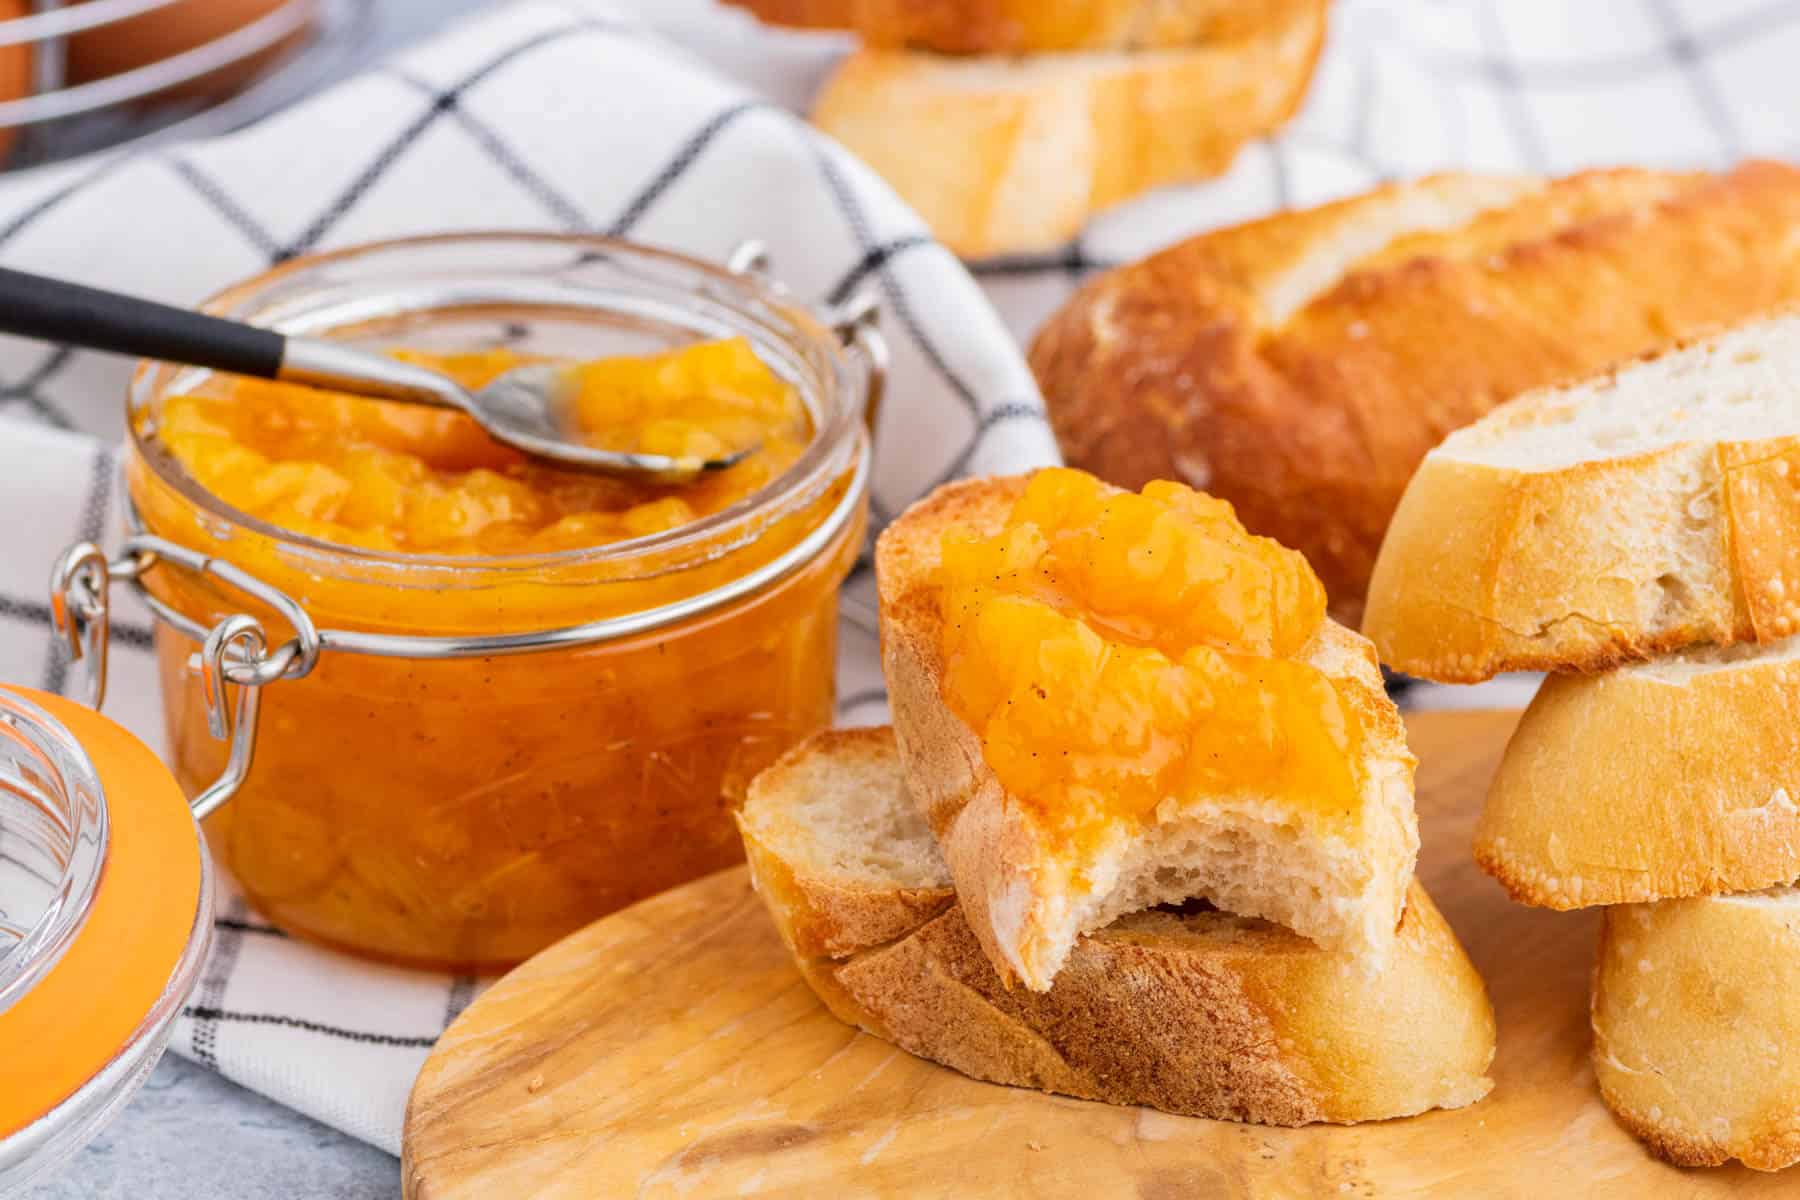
524 408
426 480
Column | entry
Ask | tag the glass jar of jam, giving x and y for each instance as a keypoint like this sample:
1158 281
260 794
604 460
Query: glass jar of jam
463 703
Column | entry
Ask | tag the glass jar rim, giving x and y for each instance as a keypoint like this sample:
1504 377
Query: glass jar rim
70 793
139 937
836 395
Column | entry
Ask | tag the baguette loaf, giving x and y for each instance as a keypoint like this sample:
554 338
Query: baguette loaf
1199 1013
1028 893
1029 26
1300 366
1668 779
1578 528
1005 156
1696 1012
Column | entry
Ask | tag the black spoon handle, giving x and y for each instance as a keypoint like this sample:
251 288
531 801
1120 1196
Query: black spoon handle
55 310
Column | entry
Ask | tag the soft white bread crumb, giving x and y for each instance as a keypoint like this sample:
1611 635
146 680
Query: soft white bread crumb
836 817
841 854
1741 386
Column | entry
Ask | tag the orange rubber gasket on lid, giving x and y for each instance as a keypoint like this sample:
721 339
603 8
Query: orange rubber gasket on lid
77 1018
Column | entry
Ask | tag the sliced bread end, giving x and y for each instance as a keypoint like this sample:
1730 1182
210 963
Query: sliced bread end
1579 528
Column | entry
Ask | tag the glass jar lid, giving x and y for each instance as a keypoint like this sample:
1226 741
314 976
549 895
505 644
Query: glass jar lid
105 918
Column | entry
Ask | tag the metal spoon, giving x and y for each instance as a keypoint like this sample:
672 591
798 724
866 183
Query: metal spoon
524 408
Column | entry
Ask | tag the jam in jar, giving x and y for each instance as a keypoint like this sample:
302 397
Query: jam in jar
504 697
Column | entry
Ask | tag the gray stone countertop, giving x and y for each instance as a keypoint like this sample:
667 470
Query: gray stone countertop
190 1135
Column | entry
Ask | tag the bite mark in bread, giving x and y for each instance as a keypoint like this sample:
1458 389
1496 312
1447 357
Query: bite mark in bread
1027 897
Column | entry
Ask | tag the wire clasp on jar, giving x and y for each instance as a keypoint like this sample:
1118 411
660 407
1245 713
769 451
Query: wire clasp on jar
856 322
234 654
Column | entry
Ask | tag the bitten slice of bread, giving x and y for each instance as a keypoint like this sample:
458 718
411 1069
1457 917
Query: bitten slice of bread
1028 26
1028 895
1696 1013
1011 155
1679 777
1577 528
1199 1013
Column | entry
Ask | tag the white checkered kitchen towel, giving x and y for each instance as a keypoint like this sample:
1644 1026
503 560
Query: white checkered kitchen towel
570 114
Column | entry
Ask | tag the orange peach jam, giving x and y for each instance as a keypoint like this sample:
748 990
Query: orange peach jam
1113 650
387 476
465 812
707 401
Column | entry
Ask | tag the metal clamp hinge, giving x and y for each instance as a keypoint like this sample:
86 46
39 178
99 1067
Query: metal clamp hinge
856 322
234 653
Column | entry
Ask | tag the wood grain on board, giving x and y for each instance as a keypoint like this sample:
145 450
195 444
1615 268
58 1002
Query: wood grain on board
672 1050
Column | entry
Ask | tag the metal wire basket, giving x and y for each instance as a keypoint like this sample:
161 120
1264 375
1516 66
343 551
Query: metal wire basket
59 121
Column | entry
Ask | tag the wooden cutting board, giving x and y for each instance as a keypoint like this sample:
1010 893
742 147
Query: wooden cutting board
672 1050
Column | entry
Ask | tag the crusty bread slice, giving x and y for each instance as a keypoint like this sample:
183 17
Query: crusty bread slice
1696 1013
844 866
1029 26
1004 156
1678 777
1240 1019
1027 895
1578 528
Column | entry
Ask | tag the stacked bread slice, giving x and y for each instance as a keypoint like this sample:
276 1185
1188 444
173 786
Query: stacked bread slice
1007 123
1639 535
1223 955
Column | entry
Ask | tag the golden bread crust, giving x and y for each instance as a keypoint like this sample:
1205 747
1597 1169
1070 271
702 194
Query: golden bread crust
1588 566
1302 373
1635 786
1693 1009
1207 1015
944 766
1775 1150
1030 26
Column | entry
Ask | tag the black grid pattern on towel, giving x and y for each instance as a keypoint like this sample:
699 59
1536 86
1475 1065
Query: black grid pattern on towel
210 1018
1687 51
1689 55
